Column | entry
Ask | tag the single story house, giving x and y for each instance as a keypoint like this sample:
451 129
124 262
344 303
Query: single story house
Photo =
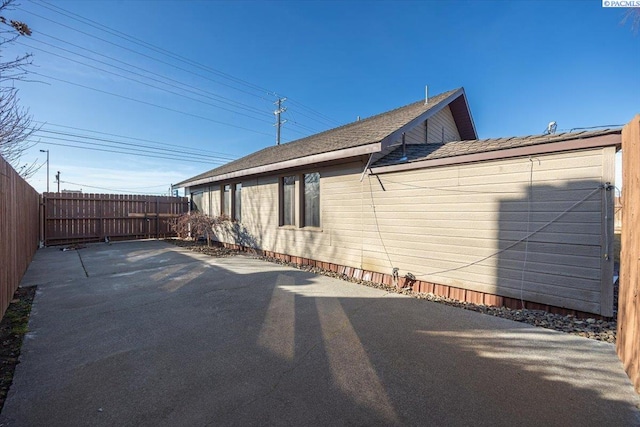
412 196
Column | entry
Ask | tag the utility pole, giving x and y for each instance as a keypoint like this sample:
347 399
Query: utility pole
279 121
58 180
47 151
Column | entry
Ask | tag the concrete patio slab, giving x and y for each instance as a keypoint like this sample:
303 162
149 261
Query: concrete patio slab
146 333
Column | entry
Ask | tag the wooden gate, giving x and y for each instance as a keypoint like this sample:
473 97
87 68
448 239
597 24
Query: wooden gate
628 337
77 217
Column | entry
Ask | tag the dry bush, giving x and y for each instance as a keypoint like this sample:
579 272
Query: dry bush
196 224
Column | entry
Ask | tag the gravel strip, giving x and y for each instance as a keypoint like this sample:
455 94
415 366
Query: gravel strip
601 330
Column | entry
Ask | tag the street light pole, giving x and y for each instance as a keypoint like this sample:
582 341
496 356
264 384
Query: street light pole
47 151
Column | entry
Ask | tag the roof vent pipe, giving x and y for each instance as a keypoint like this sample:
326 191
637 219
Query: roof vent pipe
404 148
358 119
426 95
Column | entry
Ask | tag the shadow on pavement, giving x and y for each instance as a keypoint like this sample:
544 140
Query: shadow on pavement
157 335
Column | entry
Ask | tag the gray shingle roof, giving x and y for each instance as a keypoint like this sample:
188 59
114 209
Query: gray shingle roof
363 132
419 152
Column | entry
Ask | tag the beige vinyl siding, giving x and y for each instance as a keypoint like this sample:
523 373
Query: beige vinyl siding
457 225
260 218
416 135
442 120
460 226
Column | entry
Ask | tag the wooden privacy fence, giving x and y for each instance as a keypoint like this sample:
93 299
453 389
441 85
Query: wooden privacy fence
18 230
628 338
77 218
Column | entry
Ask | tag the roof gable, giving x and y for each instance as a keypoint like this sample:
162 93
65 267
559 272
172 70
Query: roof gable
357 138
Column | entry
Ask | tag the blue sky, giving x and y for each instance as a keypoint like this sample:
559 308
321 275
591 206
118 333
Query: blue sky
522 64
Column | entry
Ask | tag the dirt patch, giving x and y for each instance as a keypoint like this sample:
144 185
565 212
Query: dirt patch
14 325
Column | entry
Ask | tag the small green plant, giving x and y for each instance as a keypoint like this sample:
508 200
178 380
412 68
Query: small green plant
13 327
20 329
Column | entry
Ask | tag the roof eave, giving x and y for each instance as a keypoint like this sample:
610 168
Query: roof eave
469 116
288 164
528 150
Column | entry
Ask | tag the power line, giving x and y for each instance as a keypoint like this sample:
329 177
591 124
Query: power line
221 155
292 121
148 84
144 55
148 45
114 189
149 103
319 114
209 95
130 150
129 144
165 52
179 159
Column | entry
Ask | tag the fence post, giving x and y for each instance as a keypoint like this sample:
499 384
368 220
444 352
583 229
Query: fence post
42 236
628 336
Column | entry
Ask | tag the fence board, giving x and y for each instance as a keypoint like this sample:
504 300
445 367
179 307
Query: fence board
80 217
618 214
19 230
628 337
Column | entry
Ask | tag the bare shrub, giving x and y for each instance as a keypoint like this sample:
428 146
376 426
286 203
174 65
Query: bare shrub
196 224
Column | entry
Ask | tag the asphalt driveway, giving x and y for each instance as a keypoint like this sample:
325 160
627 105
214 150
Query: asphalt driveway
146 333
